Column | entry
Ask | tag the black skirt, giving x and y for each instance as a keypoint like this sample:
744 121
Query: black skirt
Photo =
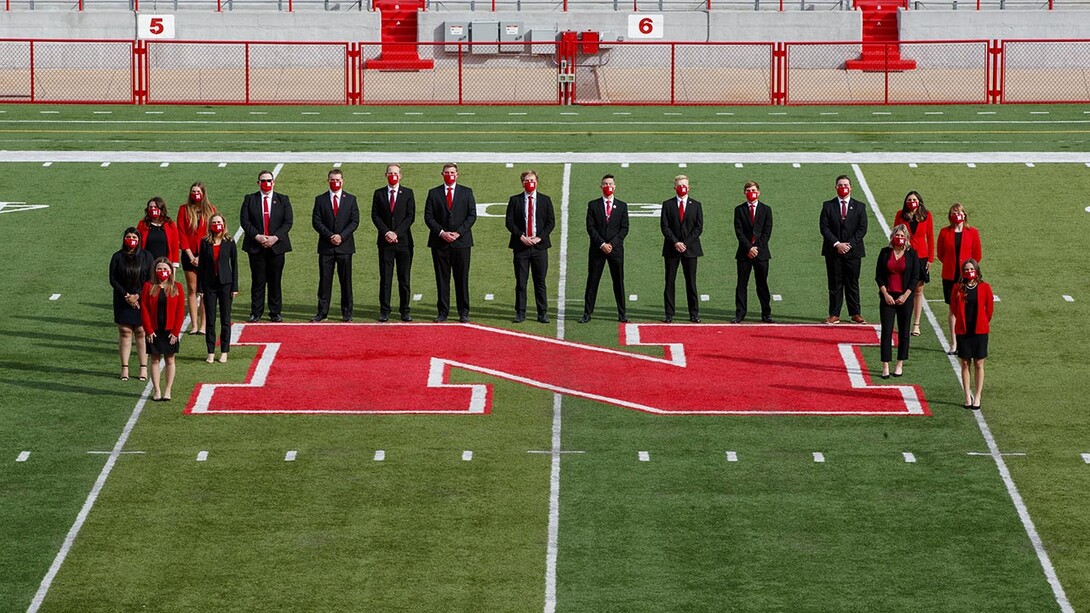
972 346
186 264
124 314
162 345
947 289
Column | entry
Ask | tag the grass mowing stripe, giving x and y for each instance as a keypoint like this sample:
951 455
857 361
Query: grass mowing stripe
993 447
551 549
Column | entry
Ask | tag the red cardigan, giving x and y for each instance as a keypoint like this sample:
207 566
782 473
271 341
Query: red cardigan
923 239
190 240
970 248
172 239
149 309
985 305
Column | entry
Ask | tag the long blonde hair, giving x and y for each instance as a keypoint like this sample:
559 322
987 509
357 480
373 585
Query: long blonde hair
196 211
172 286
211 236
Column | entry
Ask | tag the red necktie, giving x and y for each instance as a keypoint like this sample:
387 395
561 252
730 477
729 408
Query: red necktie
843 210
681 209
609 209
753 213
393 199
450 198
265 215
335 207
530 215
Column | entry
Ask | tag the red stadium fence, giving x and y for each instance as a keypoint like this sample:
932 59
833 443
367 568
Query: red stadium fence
543 73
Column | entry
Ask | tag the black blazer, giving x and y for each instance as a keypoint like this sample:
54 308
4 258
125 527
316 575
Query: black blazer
516 220
252 222
755 233
228 265
400 221
912 269
460 218
851 231
674 231
601 231
348 219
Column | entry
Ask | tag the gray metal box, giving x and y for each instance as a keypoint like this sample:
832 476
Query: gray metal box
541 35
512 37
455 32
484 36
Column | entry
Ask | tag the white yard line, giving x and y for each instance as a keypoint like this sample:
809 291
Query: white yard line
993 447
552 547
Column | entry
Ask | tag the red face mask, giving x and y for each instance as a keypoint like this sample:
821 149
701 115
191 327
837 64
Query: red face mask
154 212
131 242
196 196
216 226
266 186
393 179
971 274
752 196
897 241
607 190
529 186
449 179
335 185
681 190
843 191
957 218
912 204
162 274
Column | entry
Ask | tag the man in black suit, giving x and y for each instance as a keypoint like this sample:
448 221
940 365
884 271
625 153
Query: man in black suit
530 220
682 221
843 224
607 225
393 211
753 226
450 212
336 217
266 219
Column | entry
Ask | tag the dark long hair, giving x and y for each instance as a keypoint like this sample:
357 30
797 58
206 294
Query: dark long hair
133 267
165 219
919 215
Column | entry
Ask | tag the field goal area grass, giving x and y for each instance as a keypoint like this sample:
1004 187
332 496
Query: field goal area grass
550 501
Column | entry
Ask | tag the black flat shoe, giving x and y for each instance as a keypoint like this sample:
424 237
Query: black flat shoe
885 376
898 374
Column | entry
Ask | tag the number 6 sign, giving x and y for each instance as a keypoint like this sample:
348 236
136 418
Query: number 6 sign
645 26
154 26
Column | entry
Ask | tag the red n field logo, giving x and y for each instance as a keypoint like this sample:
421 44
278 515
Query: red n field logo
698 369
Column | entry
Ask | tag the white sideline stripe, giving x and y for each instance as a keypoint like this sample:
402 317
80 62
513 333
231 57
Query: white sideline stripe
834 113
164 164
206 112
511 113
458 113
1068 298
777 298
988 453
645 456
418 297
633 297
359 157
732 456
985 112
909 457
48 164
932 113
881 113
380 455
120 452
50 112
622 113
552 546
369 112
153 112
406 112
258 113
993 447
1038 112
55 297
819 457
467 456
779 113
733 113
569 113
23 456
1086 458
489 296
673 114
290 456
202 456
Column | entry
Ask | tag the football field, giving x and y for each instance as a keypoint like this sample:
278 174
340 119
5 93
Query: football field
501 466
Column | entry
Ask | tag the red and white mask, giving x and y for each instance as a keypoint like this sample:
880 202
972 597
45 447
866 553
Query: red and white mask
752 196
162 274
912 204
681 190
216 226
266 185
335 185
131 242
898 240
971 274
196 197
530 185
608 190
956 218
155 212
393 179
843 190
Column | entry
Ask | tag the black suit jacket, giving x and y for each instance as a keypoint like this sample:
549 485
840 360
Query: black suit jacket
601 231
851 230
755 233
516 220
348 219
460 218
676 231
912 270
228 265
399 221
252 222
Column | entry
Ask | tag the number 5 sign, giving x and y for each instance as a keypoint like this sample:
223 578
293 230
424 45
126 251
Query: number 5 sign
645 26
154 26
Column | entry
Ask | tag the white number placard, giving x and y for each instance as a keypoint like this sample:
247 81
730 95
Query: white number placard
645 26
154 26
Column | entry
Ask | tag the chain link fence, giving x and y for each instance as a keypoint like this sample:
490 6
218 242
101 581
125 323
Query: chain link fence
15 79
63 71
1045 71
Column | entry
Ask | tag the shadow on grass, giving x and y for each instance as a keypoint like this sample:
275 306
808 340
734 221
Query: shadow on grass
52 386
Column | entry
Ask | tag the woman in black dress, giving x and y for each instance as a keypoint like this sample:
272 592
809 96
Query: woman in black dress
130 268
162 309
158 232
972 304
217 277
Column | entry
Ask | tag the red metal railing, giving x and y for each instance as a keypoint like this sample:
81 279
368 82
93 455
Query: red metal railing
544 73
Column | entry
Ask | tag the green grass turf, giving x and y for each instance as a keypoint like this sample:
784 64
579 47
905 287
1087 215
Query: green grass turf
425 531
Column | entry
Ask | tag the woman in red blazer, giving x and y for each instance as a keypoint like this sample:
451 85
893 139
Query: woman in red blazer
158 234
972 303
162 309
957 243
192 221
921 231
